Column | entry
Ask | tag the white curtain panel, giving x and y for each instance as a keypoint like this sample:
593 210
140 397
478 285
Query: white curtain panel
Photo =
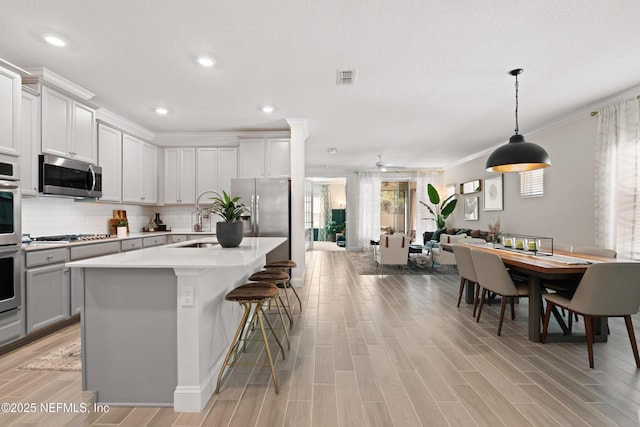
368 220
617 179
422 213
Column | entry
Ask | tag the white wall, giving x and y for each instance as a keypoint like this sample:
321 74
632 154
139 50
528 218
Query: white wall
566 211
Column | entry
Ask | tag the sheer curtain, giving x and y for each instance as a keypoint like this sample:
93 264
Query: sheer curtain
325 212
368 220
422 213
617 176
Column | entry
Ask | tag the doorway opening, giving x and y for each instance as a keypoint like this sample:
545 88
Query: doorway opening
397 207
328 213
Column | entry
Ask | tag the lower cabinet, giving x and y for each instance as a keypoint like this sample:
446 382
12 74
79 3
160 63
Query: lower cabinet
48 296
77 278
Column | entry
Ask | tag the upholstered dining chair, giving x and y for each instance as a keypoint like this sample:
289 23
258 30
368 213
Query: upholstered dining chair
493 277
608 289
567 288
393 250
467 272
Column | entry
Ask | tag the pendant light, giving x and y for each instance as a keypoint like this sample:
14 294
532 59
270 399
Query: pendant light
518 155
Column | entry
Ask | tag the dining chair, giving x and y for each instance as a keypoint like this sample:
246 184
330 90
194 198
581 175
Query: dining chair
467 272
593 250
609 289
566 288
493 277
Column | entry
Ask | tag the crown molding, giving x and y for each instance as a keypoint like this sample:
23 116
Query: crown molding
113 120
49 78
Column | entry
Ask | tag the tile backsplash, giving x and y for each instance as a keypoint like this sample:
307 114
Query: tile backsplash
43 216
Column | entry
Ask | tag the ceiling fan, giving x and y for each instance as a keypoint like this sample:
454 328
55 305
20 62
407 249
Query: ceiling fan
386 167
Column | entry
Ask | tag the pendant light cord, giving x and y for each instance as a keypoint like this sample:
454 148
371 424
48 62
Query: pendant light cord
517 128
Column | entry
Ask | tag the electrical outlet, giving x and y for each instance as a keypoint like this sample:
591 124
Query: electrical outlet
187 296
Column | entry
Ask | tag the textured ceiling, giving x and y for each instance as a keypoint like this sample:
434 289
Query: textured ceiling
431 76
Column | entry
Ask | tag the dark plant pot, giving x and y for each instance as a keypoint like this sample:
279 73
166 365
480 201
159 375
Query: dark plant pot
229 234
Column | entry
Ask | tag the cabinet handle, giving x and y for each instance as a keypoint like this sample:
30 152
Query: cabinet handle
73 153
49 256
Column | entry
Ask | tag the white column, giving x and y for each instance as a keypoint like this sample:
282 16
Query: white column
299 135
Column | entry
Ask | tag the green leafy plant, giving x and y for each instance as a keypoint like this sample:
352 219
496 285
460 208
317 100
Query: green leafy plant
333 227
440 211
123 223
227 207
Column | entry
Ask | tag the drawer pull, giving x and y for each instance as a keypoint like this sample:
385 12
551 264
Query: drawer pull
49 256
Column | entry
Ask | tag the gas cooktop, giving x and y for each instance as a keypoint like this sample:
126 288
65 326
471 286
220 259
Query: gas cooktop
67 238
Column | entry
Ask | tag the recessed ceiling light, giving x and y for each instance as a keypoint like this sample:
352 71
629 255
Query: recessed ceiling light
267 109
332 150
162 111
56 41
206 61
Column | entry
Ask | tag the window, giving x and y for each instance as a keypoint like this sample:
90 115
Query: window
532 183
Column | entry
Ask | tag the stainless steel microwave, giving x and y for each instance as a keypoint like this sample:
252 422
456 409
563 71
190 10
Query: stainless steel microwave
67 177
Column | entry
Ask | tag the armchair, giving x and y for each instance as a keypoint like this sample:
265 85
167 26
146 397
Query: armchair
393 250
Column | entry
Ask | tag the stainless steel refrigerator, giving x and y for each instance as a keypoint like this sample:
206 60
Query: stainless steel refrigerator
269 203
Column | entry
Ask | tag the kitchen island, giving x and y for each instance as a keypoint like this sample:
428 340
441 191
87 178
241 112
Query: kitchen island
155 325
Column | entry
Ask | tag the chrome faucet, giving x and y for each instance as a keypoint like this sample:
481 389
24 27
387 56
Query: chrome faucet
197 226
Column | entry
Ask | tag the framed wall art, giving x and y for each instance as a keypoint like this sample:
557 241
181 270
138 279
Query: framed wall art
471 187
471 208
493 194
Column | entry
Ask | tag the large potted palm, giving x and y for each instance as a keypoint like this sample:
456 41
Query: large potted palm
231 231
440 211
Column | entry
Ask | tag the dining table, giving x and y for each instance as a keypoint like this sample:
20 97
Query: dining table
537 268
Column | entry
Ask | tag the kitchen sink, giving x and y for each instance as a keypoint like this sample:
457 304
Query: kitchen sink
199 245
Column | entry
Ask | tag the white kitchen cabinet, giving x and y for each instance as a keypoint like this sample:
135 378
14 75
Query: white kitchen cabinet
29 142
278 159
149 173
139 171
252 160
180 175
227 167
110 159
68 127
47 288
264 158
10 94
216 168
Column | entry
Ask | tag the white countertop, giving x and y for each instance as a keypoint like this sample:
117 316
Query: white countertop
175 256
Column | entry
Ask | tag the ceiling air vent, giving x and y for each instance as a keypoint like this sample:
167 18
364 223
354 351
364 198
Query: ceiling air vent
346 77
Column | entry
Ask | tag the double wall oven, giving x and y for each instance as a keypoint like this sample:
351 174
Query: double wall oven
10 234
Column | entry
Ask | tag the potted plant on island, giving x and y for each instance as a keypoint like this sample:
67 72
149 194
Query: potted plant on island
230 231
440 211
121 230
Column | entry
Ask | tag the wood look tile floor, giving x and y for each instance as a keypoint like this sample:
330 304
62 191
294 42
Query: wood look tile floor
379 351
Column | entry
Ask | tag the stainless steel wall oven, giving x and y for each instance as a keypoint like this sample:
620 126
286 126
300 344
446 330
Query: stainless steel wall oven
10 234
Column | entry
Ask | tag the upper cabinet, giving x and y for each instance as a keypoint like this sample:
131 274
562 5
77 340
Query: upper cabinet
139 171
216 168
68 119
68 127
110 160
264 158
10 94
29 141
180 175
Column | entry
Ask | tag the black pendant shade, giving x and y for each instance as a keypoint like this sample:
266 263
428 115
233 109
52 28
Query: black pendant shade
518 155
